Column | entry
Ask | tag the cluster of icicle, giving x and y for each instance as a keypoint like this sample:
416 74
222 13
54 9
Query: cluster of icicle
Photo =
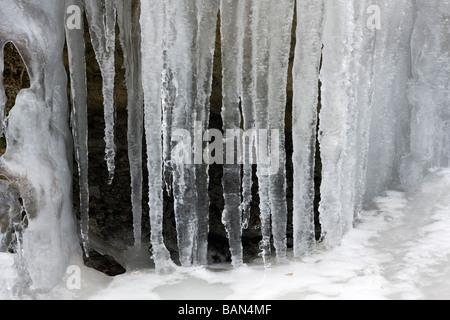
384 116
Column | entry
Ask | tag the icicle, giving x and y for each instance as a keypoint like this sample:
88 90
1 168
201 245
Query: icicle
272 23
168 100
281 13
357 113
180 28
248 116
260 60
232 30
77 66
152 26
206 36
101 16
130 42
187 55
306 92
364 56
334 117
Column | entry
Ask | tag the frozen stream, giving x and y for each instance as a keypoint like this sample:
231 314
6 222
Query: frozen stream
399 250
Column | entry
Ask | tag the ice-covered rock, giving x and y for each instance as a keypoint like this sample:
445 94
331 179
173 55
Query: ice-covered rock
37 163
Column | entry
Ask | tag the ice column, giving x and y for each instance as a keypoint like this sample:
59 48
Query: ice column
357 118
205 42
248 156
77 66
335 125
128 21
189 48
178 51
181 36
363 67
308 54
233 22
280 44
271 25
152 25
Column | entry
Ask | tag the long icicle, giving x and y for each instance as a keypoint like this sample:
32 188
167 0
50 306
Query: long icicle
77 65
152 24
248 116
364 100
261 58
304 126
231 32
206 37
101 17
130 41
335 76
180 61
279 48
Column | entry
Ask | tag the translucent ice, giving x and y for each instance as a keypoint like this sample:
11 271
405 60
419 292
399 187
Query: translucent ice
306 92
429 92
152 24
101 16
130 39
77 67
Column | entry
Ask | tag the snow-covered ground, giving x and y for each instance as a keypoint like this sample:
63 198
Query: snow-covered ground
398 250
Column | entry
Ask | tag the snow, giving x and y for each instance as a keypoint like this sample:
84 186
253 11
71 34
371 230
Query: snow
399 250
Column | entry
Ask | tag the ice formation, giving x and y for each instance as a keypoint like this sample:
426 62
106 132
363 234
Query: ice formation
101 16
381 69
77 67
128 20
308 52
36 168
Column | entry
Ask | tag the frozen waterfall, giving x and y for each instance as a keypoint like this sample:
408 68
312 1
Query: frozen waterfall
371 88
